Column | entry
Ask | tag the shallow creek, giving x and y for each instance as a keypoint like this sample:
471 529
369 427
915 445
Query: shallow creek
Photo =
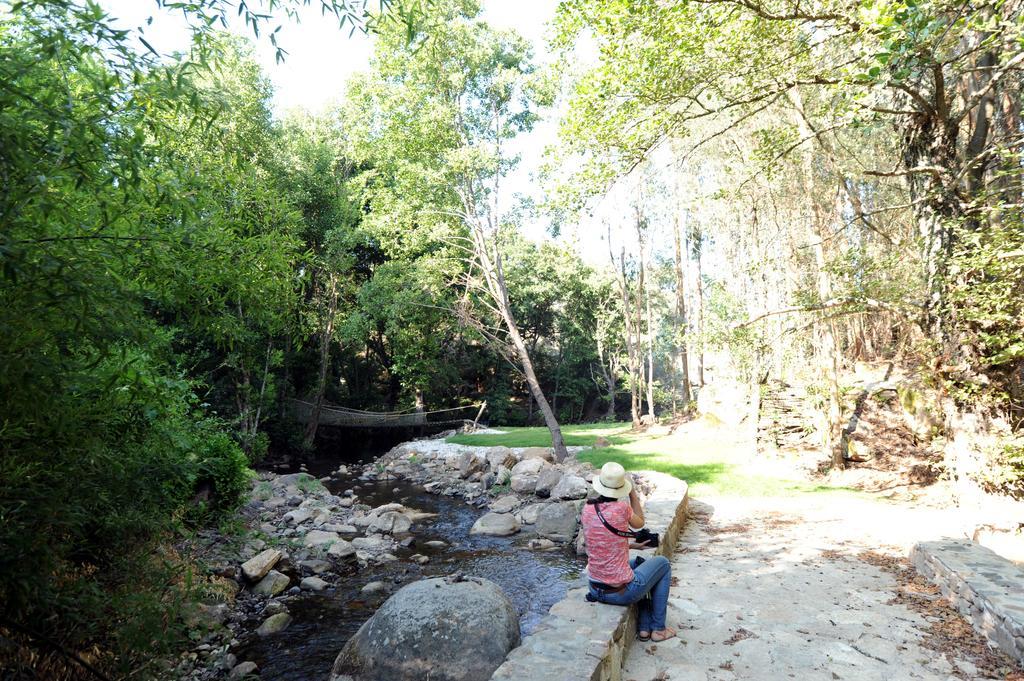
324 622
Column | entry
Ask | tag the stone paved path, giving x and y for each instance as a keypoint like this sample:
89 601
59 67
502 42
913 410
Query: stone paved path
774 589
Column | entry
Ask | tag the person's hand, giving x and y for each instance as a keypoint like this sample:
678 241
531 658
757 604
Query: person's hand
638 545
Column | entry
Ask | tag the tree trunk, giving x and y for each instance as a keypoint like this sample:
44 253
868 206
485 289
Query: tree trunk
326 334
608 374
828 351
700 309
489 259
630 332
643 295
681 326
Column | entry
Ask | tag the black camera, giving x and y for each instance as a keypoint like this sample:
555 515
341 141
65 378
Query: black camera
645 536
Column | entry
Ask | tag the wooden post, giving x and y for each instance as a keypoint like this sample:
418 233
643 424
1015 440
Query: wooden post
480 413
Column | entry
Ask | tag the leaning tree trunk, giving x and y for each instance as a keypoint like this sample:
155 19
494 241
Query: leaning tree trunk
494 276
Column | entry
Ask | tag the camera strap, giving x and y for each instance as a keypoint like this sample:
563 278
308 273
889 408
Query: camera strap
612 528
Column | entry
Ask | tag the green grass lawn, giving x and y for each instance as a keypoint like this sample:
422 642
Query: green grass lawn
711 466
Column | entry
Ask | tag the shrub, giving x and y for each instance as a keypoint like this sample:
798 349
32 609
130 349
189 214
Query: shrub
221 472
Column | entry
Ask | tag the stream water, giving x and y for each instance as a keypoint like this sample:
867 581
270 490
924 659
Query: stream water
323 622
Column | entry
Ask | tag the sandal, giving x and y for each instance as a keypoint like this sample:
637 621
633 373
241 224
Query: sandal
643 636
663 635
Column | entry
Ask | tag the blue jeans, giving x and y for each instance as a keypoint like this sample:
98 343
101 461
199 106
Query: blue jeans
651 578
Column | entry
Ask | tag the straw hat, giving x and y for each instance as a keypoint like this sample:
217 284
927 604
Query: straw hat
612 481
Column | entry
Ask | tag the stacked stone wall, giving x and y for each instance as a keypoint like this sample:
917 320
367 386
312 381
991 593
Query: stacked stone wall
985 587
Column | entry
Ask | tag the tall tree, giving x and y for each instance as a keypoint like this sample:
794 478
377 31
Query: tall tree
473 94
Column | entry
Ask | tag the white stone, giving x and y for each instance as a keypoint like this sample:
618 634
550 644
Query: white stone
258 566
570 487
528 467
315 538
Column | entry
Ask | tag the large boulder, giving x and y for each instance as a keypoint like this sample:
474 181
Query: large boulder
455 629
470 463
542 453
528 515
528 467
495 524
558 521
569 487
500 456
547 479
523 484
390 522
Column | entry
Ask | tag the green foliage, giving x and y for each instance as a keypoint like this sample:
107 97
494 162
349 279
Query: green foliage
221 464
1005 473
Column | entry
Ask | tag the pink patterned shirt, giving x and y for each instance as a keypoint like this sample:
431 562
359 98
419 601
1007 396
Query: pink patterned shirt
607 553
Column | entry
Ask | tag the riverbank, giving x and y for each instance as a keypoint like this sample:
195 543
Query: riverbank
308 559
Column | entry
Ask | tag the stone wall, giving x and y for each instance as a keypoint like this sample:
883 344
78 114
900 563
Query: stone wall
985 587
581 641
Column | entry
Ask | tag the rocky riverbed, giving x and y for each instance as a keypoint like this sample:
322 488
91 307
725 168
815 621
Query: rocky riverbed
321 554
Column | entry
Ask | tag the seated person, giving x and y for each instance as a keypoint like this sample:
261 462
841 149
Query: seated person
614 578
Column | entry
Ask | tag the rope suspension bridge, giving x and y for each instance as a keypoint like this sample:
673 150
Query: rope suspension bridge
331 415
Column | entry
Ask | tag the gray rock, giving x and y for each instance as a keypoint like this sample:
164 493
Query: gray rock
505 504
274 624
273 607
581 544
316 538
523 484
541 545
258 566
570 487
341 549
503 476
558 521
470 463
299 515
271 585
242 670
547 480
390 522
528 467
451 630
205 616
316 566
528 515
226 662
495 524
373 587
542 453
372 543
500 456
313 584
